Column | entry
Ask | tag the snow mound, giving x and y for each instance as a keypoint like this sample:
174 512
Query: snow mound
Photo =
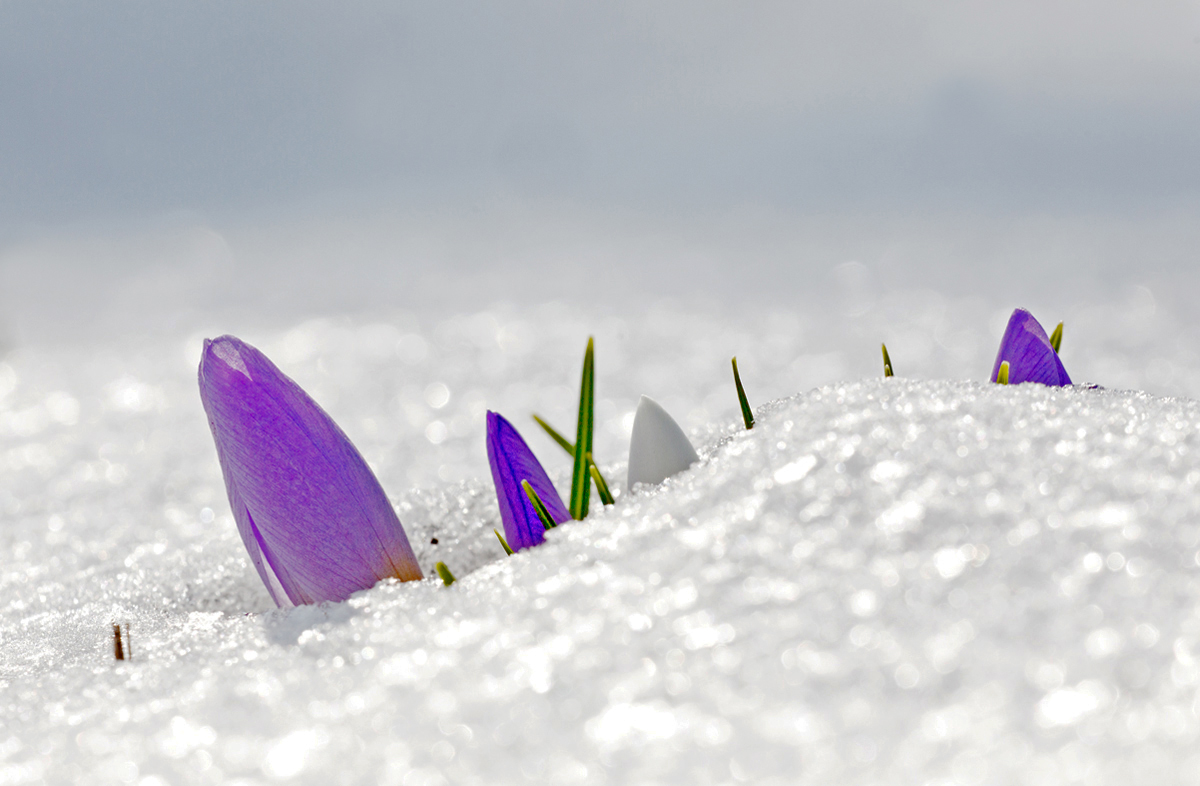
883 581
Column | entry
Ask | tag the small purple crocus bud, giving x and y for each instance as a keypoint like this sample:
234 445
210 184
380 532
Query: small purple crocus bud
315 520
1029 353
512 462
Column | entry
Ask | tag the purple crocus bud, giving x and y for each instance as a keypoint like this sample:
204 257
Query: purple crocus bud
315 520
512 462
1030 355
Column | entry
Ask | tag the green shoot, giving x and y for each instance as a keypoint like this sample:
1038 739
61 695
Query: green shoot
503 542
747 413
570 448
444 572
554 435
1002 374
1056 338
538 505
581 479
601 487
887 362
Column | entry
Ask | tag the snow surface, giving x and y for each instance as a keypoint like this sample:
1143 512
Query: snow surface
897 581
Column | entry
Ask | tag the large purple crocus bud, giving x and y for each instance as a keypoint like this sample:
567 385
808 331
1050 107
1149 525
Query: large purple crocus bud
512 462
315 520
1029 353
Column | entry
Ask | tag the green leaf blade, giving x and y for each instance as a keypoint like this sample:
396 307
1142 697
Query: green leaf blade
538 506
1056 338
887 362
503 542
747 413
581 478
601 485
445 574
563 442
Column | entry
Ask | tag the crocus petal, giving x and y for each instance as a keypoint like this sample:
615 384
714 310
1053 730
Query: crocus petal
658 448
1030 356
512 461
314 519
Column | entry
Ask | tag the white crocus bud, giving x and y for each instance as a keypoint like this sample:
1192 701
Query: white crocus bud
658 448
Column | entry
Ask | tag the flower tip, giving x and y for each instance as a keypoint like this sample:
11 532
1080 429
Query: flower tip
223 346
225 353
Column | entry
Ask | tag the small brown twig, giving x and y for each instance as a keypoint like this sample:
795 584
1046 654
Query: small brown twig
118 650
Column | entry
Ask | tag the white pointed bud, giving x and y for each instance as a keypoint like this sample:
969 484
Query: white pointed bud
658 447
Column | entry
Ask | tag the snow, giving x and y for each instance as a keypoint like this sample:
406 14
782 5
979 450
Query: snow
924 579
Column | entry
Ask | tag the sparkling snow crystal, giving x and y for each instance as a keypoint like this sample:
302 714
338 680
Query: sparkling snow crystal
910 580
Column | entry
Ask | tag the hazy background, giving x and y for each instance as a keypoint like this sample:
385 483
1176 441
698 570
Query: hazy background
162 163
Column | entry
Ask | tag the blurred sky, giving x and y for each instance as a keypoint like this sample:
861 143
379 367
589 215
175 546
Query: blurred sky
683 143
